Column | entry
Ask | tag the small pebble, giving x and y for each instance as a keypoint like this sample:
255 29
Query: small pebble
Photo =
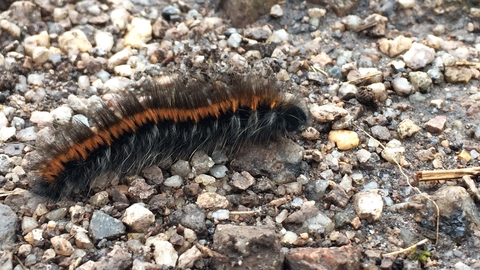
418 56
436 124
138 218
211 200
174 181
276 11
407 128
368 205
139 33
344 139
62 246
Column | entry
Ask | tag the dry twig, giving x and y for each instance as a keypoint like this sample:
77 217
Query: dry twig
409 249
446 174
210 253
437 229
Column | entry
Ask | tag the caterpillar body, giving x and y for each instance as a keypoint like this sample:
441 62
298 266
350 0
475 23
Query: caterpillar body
171 121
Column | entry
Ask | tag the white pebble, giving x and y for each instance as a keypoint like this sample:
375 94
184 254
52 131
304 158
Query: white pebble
104 40
74 41
276 11
234 40
174 181
83 82
278 36
368 205
139 33
41 118
221 214
123 70
418 56
40 54
289 237
138 218
36 79
11 28
164 253
6 133
62 114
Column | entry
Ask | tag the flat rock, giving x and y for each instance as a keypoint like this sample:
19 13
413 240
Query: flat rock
346 258
190 216
104 226
458 74
245 245
436 124
327 113
381 132
242 181
119 258
9 225
211 200
457 210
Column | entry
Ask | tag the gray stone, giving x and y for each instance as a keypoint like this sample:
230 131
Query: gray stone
190 216
201 162
104 226
56 214
5 164
402 86
381 133
347 91
9 225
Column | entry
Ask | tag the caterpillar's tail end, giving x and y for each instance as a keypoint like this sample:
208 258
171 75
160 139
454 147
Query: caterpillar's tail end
41 187
295 117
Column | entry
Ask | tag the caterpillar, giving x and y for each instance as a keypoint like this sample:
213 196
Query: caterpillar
172 120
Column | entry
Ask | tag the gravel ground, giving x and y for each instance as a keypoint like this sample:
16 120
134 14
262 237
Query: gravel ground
391 88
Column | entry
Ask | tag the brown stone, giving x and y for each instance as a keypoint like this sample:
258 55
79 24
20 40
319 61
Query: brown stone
346 258
436 124
243 12
474 109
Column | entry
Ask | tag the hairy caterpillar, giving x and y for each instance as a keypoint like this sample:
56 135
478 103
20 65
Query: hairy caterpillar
171 121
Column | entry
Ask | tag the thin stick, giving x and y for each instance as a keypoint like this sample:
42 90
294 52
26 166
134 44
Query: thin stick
409 249
319 70
446 174
410 184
